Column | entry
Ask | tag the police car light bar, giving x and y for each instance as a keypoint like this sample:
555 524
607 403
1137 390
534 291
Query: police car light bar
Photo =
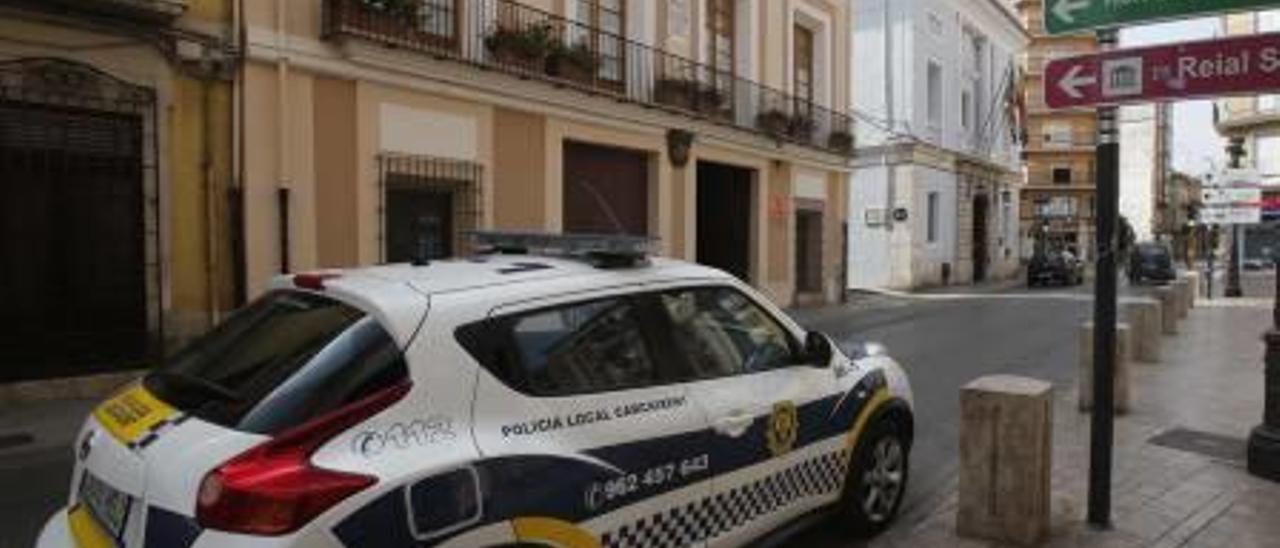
611 249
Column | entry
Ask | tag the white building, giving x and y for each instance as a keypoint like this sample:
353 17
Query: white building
934 193
1145 165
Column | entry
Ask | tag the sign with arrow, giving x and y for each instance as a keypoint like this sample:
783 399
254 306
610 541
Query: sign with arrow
1071 16
1247 64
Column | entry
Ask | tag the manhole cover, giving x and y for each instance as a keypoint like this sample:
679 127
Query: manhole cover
8 441
1208 444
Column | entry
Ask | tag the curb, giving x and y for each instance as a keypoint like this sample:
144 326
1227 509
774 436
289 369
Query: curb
86 387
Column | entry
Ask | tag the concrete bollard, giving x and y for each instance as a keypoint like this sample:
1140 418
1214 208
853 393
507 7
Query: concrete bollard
1193 278
1006 457
1168 298
1182 287
1122 396
1144 319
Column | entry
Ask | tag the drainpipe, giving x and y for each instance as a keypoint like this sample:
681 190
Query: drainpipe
235 194
282 134
210 200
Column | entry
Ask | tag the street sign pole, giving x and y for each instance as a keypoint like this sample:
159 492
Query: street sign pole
1104 309
1236 150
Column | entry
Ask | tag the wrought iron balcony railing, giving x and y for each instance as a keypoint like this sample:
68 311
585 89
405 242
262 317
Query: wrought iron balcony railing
510 37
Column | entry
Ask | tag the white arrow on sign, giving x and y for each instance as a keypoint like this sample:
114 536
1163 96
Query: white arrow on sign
1071 83
1065 10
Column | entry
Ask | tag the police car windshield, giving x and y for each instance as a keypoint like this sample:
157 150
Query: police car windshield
284 359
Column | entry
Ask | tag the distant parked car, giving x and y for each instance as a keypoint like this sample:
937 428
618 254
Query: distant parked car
1259 263
1151 262
1055 268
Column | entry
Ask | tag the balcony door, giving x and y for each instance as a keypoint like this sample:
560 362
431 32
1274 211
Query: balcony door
721 49
603 34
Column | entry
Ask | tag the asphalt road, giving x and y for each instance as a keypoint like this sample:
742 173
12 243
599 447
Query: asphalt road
943 342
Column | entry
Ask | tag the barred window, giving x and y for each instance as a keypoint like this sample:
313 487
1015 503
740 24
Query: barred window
428 206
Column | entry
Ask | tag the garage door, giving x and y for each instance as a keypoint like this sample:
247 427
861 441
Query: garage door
606 190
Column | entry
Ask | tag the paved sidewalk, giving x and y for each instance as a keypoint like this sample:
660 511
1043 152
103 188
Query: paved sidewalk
1210 382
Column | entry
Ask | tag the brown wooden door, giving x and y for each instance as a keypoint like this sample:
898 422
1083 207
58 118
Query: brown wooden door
808 251
606 190
724 218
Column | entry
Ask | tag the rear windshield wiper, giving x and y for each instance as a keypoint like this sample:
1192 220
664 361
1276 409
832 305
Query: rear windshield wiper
204 386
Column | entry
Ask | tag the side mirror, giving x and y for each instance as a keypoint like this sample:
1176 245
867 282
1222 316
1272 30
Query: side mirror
817 350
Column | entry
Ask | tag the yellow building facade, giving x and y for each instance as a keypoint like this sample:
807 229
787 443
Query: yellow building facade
116 163
1058 201
378 131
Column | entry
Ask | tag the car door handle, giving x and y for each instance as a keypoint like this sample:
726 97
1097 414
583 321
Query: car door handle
734 425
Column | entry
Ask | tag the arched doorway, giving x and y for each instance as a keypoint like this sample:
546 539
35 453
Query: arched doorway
79 253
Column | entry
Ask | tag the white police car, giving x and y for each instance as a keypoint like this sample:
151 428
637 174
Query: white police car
588 398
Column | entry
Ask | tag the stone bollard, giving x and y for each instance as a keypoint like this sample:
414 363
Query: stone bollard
1182 287
1168 298
1006 456
1144 319
1193 279
1121 399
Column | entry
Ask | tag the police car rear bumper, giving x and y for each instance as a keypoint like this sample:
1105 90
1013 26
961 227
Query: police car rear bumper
56 532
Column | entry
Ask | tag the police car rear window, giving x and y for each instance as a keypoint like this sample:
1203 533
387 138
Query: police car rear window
286 358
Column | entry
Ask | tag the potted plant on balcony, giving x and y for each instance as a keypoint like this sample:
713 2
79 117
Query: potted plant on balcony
775 123
577 63
711 101
840 142
526 48
676 92
801 127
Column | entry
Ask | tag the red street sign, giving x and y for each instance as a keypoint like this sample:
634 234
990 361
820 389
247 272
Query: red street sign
1248 64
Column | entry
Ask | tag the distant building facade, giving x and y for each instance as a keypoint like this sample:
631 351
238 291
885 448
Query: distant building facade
1059 200
936 182
1146 162
1257 120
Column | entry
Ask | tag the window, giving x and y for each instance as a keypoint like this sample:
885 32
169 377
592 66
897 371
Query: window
802 81
1057 135
721 49
439 19
932 220
1061 175
587 347
280 362
722 332
935 95
966 106
606 20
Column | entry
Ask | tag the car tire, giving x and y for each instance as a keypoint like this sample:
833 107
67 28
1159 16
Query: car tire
875 471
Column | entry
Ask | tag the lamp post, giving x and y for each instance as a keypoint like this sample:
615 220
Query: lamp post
1236 150
1264 441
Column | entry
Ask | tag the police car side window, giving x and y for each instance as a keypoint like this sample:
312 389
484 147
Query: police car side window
595 346
722 332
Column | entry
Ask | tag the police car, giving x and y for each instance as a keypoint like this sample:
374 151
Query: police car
555 391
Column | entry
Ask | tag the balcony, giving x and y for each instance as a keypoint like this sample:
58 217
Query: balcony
153 12
509 37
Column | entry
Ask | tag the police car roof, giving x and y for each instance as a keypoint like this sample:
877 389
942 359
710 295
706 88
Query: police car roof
483 271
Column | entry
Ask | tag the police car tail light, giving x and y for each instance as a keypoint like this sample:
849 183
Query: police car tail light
273 489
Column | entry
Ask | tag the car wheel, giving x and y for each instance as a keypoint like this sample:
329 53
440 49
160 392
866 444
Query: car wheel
877 480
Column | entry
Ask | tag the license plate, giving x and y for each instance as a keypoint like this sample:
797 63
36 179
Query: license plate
107 504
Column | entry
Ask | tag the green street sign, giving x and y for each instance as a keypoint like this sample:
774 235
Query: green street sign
1072 16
